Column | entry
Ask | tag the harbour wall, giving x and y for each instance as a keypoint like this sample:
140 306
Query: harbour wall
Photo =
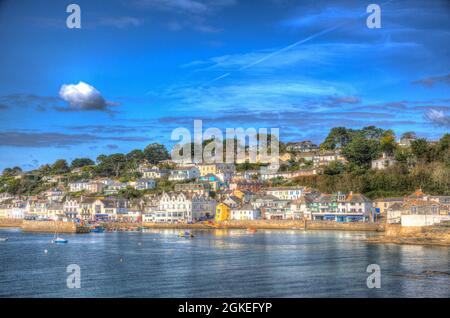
53 226
274 224
7 222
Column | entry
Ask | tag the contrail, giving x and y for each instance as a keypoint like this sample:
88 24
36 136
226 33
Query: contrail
311 37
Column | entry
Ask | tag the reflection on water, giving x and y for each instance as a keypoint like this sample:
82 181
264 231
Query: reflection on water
219 263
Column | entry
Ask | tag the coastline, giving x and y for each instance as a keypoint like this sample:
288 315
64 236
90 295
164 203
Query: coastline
437 235
390 233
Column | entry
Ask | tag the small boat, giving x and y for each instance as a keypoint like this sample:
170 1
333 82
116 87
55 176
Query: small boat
59 240
186 234
251 230
98 229
3 239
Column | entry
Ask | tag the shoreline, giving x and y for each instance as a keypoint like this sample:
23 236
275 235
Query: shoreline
406 241
389 234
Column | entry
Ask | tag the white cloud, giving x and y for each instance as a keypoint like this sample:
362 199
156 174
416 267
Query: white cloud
121 22
82 97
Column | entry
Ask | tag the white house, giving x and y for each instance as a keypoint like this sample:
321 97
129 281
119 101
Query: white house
245 212
183 207
145 184
289 193
184 173
154 173
383 163
325 158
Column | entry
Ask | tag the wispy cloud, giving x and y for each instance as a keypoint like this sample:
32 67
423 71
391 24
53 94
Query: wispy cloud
433 80
55 139
121 22
438 118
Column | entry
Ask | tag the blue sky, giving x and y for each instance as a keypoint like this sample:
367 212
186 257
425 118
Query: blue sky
150 66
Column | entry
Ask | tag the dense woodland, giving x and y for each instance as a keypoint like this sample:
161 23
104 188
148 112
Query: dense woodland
423 164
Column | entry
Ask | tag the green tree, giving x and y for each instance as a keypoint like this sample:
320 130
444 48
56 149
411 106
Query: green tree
420 149
156 152
60 166
361 151
387 142
337 138
334 168
12 172
81 162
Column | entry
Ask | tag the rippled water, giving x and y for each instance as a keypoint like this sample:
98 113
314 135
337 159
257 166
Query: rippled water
219 263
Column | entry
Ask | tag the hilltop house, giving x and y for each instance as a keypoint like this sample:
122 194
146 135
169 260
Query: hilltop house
90 187
302 146
288 193
384 162
224 171
325 158
184 173
154 173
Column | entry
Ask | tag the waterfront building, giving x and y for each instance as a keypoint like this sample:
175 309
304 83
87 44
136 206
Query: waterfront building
223 212
299 209
340 207
244 212
277 209
382 205
71 207
176 207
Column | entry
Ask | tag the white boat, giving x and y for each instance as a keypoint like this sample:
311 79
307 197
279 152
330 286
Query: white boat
3 239
59 240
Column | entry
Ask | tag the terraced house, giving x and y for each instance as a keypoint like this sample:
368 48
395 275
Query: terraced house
341 207
182 207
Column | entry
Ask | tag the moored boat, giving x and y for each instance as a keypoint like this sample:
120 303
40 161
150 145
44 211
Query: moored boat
98 229
59 240
186 234
3 239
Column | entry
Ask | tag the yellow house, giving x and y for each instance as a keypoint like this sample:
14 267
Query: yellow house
223 212
207 168
286 156
239 194
3 212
